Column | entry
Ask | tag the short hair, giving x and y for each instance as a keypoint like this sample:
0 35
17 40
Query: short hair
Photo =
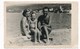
32 12
45 8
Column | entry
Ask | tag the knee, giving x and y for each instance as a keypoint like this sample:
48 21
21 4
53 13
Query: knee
39 33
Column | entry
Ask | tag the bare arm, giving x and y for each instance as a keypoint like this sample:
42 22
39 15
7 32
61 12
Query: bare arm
39 25
49 20
25 25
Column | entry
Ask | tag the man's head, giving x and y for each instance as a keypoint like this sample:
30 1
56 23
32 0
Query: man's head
45 10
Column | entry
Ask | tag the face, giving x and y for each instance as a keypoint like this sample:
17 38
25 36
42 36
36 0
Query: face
33 16
28 13
45 11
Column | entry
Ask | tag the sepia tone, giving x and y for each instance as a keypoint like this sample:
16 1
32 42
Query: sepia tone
60 22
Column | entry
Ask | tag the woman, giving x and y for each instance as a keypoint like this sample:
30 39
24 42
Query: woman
25 25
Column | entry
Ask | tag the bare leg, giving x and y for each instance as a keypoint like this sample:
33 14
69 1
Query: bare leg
39 33
38 37
28 36
35 35
46 33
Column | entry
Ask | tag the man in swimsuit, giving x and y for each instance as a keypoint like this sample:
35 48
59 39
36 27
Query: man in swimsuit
43 23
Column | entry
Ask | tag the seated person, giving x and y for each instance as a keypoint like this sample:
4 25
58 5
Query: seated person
33 27
25 25
44 23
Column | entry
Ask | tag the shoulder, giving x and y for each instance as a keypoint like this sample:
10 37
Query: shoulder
24 18
40 17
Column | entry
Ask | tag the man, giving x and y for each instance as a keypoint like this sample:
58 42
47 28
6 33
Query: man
43 23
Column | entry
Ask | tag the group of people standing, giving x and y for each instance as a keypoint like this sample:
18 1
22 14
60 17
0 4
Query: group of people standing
39 25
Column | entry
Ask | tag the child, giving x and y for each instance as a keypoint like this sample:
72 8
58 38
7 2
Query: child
33 27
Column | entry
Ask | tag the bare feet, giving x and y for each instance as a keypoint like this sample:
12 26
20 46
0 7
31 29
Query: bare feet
40 41
48 42
35 42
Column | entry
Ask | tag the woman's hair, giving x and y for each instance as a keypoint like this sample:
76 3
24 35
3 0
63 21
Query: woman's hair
25 11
